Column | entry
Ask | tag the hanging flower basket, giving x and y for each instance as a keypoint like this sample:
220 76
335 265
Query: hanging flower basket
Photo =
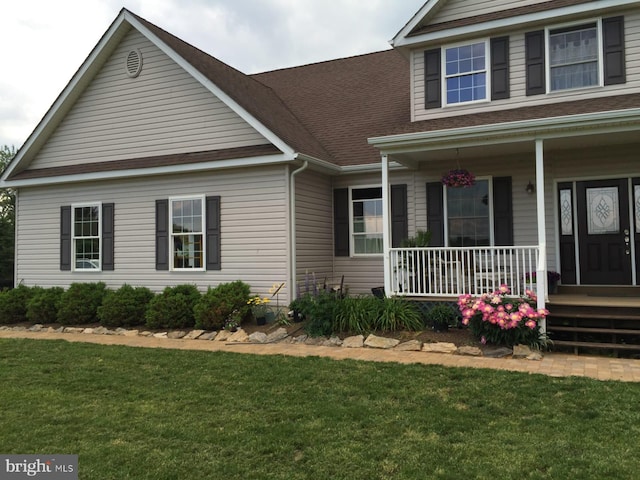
459 177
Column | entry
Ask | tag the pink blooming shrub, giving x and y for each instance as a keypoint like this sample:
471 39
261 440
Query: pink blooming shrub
503 320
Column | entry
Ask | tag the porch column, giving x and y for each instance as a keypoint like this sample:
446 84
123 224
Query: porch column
386 224
541 272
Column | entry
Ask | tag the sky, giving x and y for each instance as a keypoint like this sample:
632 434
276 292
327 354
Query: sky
44 42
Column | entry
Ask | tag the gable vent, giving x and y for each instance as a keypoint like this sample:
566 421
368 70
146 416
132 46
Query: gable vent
134 63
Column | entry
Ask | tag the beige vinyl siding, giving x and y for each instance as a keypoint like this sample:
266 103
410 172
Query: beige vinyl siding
457 9
314 226
518 80
162 111
253 229
361 273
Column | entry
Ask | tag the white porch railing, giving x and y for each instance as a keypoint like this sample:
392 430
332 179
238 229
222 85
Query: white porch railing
443 271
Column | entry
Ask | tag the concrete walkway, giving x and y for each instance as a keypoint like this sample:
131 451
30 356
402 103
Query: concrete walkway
553 364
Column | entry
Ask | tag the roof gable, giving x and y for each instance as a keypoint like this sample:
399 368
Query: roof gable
253 102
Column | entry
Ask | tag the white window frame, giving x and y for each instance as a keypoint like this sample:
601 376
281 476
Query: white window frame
203 226
74 206
547 46
489 179
487 71
352 234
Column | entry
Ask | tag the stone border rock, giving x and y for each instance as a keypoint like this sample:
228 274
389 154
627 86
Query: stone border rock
281 336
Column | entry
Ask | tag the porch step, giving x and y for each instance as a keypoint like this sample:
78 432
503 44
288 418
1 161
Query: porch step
586 323
612 346
618 331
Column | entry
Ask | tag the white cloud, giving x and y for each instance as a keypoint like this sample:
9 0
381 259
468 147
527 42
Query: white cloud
43 42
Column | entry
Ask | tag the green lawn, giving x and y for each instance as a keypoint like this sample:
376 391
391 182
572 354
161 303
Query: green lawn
165 414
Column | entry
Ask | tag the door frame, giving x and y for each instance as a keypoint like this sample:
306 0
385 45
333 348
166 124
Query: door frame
568 246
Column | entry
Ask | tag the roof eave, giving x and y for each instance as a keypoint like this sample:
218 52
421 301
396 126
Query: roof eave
546 128
404 40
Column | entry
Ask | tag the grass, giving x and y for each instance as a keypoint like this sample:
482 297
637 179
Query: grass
167 414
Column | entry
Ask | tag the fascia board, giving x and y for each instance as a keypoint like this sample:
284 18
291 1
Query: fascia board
79 79
147 172
415 20
548 128
209 85
512 22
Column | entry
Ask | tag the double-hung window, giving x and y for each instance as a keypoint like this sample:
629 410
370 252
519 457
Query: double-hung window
187 233
574 57
469 215
366 220
86 236
466 75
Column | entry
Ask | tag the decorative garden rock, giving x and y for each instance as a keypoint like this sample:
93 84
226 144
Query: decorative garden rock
193 334
238 336
374 341
279 334
208 336
469 351
409 346
175 334
439 347
258 337
357 341
521 351
497 352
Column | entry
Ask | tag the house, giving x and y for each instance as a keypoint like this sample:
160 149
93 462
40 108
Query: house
160 165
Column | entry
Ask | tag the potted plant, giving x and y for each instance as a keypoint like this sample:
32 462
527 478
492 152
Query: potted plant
553 278
441 316
259 308
458 177
232 323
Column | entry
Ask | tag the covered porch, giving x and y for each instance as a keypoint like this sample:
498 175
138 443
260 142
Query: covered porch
556 162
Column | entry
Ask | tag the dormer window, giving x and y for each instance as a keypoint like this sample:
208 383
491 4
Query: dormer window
466 73
573 57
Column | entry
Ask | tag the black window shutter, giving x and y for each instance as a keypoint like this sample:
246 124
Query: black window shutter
614 61
341 222
432 79
500 68
214 260
502 211
162 234
534 57
399 220
107 236
65 237
435 213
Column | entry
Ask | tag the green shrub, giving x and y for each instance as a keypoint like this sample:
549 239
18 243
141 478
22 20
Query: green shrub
220 302
173 308
44 304
13 304
441 316
124 307
79 304
398 314
357 314
320 312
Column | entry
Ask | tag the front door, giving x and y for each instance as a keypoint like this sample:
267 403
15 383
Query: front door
604 232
